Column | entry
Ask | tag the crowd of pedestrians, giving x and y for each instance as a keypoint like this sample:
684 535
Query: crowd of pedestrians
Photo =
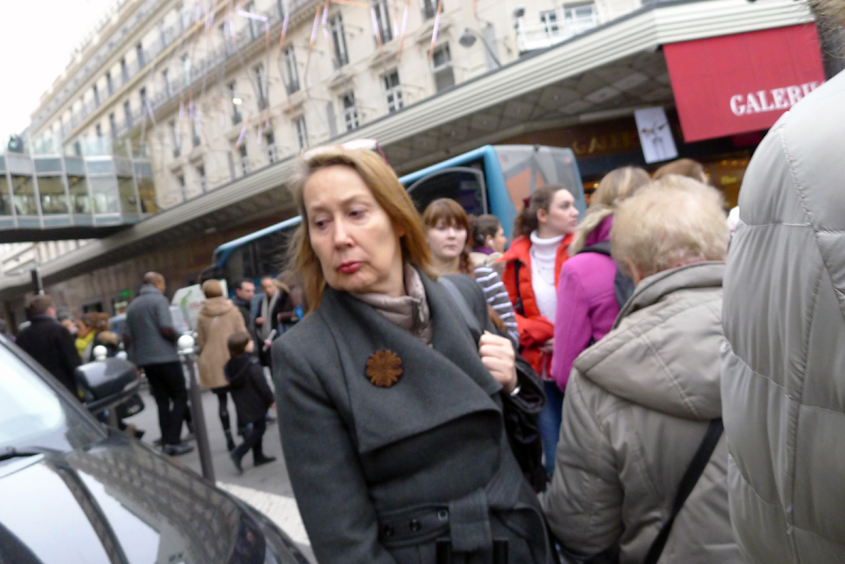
684 400
688 398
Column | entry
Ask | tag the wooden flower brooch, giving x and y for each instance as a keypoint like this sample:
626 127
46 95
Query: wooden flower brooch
384 368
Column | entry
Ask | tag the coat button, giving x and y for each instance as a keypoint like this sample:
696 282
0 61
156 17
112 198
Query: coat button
443 514
388 531
414 525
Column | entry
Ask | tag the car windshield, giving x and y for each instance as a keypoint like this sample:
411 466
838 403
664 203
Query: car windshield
34 414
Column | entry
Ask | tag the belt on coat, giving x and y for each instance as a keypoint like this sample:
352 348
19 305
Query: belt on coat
465 521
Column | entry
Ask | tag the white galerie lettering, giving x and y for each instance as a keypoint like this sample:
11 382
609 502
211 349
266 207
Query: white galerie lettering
770 100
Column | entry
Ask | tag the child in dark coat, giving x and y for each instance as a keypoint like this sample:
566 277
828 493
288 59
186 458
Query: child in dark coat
252 397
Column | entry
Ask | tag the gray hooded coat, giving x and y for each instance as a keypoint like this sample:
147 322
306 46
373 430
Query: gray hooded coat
637 405
783 377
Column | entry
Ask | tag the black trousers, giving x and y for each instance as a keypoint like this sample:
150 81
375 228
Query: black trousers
253 441
167 383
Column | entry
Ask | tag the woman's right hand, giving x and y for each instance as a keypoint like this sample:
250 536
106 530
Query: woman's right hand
498 356
549 346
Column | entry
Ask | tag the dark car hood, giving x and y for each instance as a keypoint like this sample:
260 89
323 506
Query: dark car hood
118 502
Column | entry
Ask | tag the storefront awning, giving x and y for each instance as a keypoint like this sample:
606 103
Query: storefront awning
739 83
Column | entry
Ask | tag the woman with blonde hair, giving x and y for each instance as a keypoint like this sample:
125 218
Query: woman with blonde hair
587 302
447 226
218 318
641 473
543 230
382 374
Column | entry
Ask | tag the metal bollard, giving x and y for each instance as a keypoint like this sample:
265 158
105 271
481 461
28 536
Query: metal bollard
100 353
186 351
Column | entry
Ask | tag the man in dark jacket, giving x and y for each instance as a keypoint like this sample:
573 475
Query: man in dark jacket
49 343
150 338
252 397
244 292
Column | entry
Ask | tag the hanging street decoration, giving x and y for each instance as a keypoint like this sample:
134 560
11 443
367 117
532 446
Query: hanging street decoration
314 29
351 3
326 25
284 25
436 29
404 25
376 28
243 134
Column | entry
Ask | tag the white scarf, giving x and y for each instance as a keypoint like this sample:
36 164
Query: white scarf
543 276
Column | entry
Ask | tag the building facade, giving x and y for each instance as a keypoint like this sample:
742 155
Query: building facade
215 93
223 95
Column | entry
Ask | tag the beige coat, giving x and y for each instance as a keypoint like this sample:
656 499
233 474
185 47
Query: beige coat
783 376
217 319
637 406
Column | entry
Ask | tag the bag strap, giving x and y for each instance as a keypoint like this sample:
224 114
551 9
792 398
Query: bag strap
691 476
518 307
623 286
602 248
463 307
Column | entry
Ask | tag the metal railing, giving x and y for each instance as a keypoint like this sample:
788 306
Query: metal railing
199 69
205 66
545 34
244 37
93 63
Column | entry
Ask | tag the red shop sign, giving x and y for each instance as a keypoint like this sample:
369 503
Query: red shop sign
740 83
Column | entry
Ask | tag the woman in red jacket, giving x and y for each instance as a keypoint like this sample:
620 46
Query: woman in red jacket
543 231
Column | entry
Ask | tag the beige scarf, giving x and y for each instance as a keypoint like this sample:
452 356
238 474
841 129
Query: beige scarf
408 312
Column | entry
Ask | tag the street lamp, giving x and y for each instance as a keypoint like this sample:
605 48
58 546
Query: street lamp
467 39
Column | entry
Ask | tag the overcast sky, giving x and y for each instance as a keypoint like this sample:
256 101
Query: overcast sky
36 40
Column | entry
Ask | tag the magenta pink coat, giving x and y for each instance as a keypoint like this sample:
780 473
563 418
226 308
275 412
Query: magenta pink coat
586 303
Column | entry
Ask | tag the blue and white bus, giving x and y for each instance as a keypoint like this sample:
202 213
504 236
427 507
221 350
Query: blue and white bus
494 179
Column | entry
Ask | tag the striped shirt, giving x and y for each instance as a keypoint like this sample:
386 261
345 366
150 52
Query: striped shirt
498 298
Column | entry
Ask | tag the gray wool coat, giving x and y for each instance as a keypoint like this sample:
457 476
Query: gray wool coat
381 473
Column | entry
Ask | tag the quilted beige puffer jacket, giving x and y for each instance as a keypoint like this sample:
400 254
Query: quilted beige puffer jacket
637 405
783 378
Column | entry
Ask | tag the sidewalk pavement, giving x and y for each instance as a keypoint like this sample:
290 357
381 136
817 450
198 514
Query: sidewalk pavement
267 488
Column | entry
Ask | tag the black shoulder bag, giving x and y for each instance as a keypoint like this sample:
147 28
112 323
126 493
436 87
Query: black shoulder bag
517 307
521 425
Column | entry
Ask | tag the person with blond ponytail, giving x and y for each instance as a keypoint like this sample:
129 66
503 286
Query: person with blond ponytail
586 299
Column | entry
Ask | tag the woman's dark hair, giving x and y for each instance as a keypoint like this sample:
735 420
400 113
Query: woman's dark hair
483 226
526 221
237 343
89 319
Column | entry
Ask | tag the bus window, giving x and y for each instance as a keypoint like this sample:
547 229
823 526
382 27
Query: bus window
525 168
462 184
262 256
270 253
